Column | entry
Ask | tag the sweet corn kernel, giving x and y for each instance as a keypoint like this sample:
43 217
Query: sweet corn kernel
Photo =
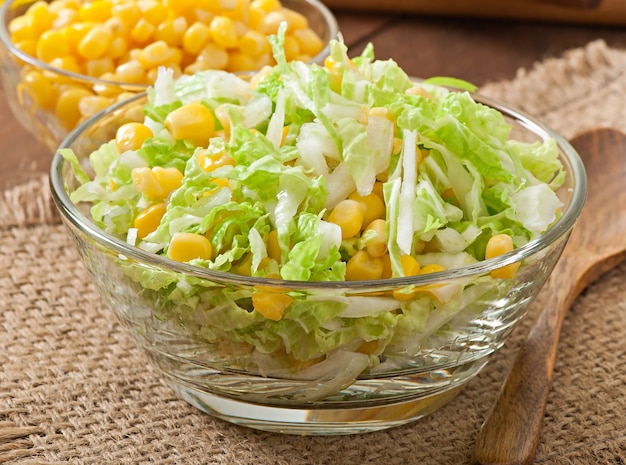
147 183
97 11
271 21
95 43
410 267
372 206
196 37
193 122
211 161
99 66
310 42
67 106
348 215
376 245
223 32
154 11
40 89
273 248
362 266
131 136
132 72
149 219
272 305
170 179
90 105
172 31
186 246
497 245
239 61
67 63
155 54
254 43
143 31
52 44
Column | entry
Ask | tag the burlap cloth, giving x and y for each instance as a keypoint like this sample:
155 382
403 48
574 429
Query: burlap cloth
73 387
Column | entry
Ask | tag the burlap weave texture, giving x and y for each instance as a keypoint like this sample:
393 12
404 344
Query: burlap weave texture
75 389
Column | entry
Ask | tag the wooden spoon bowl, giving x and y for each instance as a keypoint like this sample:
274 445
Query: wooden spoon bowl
598 243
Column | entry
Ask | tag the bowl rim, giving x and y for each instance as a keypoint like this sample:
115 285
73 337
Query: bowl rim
5 39
562 227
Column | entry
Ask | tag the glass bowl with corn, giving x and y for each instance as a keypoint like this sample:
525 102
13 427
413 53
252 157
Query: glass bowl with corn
64 60
317 250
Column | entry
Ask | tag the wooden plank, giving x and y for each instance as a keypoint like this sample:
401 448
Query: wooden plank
610 12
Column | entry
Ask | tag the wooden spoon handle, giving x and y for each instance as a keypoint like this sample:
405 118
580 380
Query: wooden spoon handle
512 429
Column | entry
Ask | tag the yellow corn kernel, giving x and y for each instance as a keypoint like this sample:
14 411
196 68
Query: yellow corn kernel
67 63
239 61
432 268
193 122
291 47
211 161
52 44
348 215
170 179
410 267
67 106
271 21
95 43
219 184
131 136
92 104
196 37
368 347
149 219
254 43
294 19
28 46
128 12
273 248
118 47
420 91
387 271
40 89
147 183
496 246
272 305
99 66
131 71
244 268
143 31
376 245
362 266
155 54
266 5
97 11
213 56
372 205
172 31
186 246
41 15
310 43
223 32
154 11
107 90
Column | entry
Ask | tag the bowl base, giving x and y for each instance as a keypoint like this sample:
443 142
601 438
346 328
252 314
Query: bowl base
313 422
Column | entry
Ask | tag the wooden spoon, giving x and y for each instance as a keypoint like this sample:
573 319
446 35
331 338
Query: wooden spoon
598 243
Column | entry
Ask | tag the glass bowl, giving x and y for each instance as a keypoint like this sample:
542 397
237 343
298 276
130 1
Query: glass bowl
50 101
427 360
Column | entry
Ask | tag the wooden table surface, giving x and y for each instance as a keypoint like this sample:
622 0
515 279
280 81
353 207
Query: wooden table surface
477 50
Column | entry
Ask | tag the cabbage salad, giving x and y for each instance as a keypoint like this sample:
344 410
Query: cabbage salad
286 148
